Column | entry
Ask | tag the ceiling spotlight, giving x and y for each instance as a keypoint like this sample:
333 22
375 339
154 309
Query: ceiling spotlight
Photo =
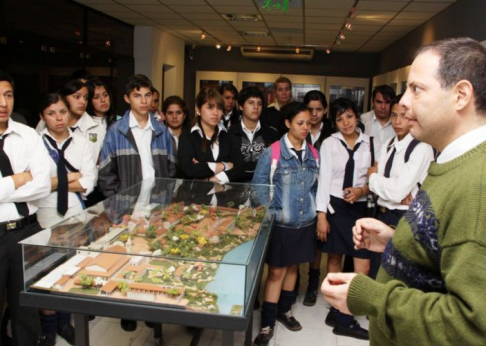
328 51
338 42
108 43
349 26
218 46
228 48
342 36
297 50
203 36
259 48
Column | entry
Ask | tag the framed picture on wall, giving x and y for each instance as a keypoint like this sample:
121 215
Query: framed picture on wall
299 90
266 88
216 84
355 93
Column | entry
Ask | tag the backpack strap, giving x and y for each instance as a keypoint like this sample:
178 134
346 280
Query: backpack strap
372 151
315 153
410 148
275 147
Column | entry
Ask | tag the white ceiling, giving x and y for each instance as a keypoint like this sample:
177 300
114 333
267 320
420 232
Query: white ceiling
376 24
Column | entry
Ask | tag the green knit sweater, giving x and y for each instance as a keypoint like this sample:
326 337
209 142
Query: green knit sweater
431 287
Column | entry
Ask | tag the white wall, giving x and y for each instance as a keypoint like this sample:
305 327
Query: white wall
152 49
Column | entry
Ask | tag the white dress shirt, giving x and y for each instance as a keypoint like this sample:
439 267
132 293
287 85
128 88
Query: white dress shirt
93 130
80 156
365 117
315 137
290 147
462 145
250 134
380 134
143 139
332 167
221 176
27 153
404 177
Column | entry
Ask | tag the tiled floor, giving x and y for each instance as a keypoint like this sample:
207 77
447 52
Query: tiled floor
107 331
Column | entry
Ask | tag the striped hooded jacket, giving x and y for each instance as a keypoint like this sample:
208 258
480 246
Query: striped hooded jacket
121 166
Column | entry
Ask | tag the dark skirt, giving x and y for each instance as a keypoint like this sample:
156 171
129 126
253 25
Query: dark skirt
290 246
340 237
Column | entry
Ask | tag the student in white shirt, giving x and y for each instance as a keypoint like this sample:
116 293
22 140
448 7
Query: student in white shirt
100 103
76 94
24 178
70 183
377 122
341 200
397 175
80 166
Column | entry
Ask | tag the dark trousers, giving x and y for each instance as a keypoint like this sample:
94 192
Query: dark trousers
25 321
389 217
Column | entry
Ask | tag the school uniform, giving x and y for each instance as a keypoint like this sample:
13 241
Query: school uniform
340 214
79 155
224 149
293 203
21 150
325 130
398 176
381 134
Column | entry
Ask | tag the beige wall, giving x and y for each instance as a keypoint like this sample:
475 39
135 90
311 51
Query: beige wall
152 49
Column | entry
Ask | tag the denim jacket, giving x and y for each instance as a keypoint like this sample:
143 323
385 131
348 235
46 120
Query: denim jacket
295 186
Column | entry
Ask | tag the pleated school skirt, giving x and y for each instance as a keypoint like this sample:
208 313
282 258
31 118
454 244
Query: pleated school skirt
340 237
289 246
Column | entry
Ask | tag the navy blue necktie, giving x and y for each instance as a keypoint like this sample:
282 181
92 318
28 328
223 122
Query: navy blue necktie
389 163
349 169
62 179
6 169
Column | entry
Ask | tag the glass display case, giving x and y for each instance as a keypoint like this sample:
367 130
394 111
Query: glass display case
174 244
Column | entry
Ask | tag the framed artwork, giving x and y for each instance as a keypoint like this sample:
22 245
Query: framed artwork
299 90
355 93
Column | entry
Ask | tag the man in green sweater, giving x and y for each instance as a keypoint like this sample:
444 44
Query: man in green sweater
431 287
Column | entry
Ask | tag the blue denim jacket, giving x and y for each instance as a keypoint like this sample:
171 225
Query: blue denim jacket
295 186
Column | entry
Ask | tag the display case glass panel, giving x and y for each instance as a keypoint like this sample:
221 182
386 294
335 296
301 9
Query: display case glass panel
182 244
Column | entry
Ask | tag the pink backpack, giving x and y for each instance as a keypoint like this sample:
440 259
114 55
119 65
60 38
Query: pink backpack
276 157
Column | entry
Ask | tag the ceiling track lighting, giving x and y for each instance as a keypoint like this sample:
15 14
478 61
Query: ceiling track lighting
218 46
349 26
328 51
203 36
342 36
228 48
297 50
259 48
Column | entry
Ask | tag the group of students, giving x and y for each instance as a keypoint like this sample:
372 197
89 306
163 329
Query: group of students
319 159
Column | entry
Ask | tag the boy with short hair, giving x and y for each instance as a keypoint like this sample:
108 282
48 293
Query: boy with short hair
146 144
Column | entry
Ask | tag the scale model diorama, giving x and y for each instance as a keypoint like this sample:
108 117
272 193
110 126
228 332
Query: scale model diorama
167 255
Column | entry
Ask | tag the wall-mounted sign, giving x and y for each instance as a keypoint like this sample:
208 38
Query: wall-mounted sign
281 5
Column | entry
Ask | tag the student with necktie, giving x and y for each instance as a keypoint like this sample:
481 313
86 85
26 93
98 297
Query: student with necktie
341 200
397 175
24 178
73 176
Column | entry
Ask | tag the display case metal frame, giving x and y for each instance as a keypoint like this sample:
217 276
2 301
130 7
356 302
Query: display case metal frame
82 306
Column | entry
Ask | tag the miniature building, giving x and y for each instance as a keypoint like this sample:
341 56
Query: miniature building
109 288
61 282
106 265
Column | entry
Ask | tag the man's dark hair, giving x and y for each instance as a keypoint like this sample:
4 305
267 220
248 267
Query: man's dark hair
386 90
251 91
461 59
5 77
339 106
136 82
228 87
